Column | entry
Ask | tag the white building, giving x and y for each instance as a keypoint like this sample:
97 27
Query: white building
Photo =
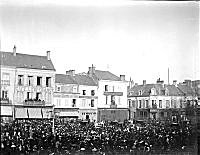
27 85
75 96
112 95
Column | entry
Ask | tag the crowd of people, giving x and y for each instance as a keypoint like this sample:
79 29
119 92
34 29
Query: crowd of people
76 137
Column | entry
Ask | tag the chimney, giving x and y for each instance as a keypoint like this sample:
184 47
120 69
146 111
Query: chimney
48 55
91 70
144 82
122 77
131 83
160 82
175 82
70 72
136 84
14 50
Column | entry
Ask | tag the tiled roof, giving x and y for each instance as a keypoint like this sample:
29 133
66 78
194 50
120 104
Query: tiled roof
26 61
186 89
160 90
174 91
84 80
106 75
64 79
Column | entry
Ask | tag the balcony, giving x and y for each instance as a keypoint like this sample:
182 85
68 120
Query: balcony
5 101
113 93
34 102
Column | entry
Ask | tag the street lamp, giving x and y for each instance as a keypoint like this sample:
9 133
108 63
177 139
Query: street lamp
52 115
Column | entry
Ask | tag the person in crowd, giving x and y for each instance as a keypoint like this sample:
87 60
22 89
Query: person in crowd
36 137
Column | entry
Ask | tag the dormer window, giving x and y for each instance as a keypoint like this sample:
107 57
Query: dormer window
140 92
153 91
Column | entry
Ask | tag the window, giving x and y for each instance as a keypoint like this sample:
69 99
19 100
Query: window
38 96
145 114
58 88
20 80
147 104
106 99
106 87
73 102
154 104
133 104
30 80
28 96
58 102
140 92
162 114
160 103
141 113
48 81
84 92
39 81
4 94
167 103
5 79
92 92
92 103
112 99
140 104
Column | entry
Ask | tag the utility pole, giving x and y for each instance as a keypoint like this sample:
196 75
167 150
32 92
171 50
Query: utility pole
168 76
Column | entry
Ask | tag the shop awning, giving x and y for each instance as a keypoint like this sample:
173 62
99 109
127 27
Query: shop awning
69 114
6 111
34 112
21 113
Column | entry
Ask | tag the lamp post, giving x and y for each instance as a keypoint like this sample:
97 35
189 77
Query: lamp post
52 115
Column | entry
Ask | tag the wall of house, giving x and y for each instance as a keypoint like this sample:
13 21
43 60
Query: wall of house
20 91
7 82
113 86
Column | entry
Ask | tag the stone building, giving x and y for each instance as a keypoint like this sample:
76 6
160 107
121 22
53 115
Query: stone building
112 95
155 101
27 85
76 96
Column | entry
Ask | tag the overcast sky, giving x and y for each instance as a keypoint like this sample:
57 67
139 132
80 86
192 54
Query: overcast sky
138 39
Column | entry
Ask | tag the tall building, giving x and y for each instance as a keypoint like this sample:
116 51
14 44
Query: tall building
112 95
27 85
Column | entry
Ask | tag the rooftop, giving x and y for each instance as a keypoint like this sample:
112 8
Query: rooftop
25 61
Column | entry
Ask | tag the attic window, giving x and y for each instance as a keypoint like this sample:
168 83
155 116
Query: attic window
140 92
43 67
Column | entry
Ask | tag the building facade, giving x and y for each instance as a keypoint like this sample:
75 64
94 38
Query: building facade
27 85
156 101
112 95
76 96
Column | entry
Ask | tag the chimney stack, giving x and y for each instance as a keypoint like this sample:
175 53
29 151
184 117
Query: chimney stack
122 77
174 82
14 50
160 82
91 70
70 72
48 55
144 82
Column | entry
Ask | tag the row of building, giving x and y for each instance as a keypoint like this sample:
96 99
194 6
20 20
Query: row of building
31 88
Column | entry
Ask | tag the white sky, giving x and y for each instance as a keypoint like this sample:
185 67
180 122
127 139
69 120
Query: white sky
138 39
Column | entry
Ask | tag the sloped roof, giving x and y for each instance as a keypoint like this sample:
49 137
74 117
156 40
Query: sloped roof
26 61
84 80
106 75
186 89
173 90
145 89
160 90
64 79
